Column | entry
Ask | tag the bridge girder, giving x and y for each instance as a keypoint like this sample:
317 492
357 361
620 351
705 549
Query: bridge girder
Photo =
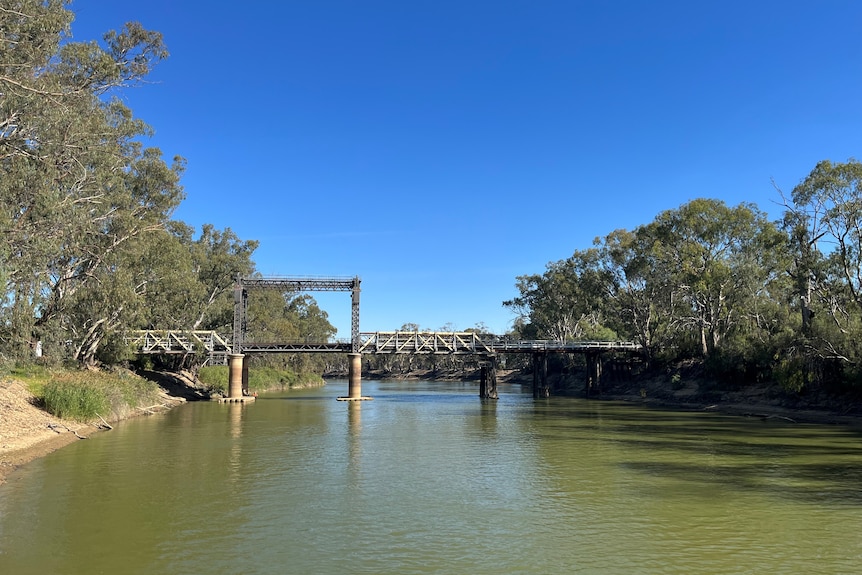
381 342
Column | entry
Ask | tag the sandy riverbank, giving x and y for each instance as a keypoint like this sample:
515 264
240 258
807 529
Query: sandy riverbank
27 432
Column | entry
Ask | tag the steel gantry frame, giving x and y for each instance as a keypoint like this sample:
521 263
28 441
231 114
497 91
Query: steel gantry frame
293 284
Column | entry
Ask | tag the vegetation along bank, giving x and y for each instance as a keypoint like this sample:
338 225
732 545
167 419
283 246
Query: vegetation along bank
745 300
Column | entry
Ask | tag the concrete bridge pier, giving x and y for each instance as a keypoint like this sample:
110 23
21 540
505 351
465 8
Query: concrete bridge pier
237 376
245 391
488 379
354 379
540 376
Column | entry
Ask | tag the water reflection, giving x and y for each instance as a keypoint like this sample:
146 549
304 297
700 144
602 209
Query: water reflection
428 478
235 413
354 432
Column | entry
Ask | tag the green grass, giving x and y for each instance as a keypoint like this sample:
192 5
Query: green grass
260 379
85 395
215 377
34 375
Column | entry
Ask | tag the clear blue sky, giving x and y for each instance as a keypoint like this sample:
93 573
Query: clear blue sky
438 149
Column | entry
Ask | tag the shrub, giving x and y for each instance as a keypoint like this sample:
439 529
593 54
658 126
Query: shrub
215 377
83 396
74 400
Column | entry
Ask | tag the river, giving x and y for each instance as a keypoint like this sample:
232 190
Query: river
427 478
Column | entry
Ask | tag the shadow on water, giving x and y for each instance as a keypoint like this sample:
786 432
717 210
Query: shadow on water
809 463
823 484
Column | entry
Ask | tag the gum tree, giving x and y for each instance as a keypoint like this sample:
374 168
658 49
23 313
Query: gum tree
77 186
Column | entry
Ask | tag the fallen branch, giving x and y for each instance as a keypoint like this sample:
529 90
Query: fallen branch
106 424
54 426
152 407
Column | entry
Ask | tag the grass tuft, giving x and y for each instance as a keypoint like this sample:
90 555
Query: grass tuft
83 395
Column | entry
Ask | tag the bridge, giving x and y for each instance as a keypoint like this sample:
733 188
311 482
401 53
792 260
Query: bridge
151 341
486 346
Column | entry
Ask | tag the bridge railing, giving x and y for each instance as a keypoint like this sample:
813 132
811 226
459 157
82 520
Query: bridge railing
422 342
380 342
156 341
503 345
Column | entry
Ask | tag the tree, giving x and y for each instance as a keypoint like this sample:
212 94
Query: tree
823 220
77 187
219 257
635 292
566 302
716 261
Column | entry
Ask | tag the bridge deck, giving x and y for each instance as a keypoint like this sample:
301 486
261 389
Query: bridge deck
381 342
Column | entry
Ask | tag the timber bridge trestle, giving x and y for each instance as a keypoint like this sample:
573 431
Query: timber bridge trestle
486 346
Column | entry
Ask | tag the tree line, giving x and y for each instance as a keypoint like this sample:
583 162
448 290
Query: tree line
753 299
88 246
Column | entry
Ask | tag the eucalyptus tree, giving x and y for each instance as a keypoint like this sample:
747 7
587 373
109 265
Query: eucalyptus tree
823 219
219 256
166 280
77 187
567 302
715 264
635 291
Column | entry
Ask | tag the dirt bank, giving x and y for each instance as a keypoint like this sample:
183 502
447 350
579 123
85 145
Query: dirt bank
28 432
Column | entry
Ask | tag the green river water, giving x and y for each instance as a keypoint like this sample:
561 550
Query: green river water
428 478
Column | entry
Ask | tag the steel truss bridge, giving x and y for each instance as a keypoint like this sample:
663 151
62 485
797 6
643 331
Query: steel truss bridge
158 341
485 346
379 342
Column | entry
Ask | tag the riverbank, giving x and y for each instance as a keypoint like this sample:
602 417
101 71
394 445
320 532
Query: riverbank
28 432
692 392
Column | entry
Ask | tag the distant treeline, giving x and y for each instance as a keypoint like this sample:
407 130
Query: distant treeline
753 299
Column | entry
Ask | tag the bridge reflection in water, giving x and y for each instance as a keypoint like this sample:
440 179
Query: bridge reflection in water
485 346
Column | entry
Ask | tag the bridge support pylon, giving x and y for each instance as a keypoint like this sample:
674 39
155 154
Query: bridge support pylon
594 374
354 379
238 370
488 379
540 376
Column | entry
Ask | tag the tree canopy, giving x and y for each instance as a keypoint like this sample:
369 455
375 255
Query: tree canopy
753 298
88 246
